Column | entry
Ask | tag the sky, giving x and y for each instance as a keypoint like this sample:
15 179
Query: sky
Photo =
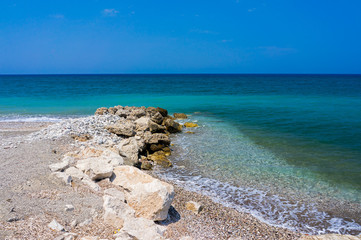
213 36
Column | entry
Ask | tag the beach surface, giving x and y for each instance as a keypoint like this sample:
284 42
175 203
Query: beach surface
31 198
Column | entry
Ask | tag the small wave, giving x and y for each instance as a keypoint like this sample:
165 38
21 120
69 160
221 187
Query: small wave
269 208
36 118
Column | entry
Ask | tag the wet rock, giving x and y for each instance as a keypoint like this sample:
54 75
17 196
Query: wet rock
172 126
156 147
189 132
157 138
146 165
190 125
180 116
148 196
160 158
194 207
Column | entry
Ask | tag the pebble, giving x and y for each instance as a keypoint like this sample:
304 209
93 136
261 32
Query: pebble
54 225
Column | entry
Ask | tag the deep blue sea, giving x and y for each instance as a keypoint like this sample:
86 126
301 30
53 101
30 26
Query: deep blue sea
286 148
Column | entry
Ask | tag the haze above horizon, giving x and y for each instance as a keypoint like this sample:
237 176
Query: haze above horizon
235 36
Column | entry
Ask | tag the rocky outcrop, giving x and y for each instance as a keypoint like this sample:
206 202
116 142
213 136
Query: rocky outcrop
148 196
122 128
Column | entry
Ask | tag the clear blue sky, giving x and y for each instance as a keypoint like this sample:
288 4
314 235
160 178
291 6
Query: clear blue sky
229 36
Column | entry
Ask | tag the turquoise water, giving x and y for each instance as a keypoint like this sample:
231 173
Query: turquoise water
286 148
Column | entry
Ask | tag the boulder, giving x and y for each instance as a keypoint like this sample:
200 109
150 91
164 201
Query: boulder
156 128
101 111
194 207
142 124
144 229
75 173
148 196
180 116
157 138
172 126
157 118
94 186
57 167
122 128
97 168
65 178
155 147
160 158
116 211
138 112
129 148
190 125
162 111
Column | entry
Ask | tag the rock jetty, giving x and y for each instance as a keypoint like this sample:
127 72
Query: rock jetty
115 144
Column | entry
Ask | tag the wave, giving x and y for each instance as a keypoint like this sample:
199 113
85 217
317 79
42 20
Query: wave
36 118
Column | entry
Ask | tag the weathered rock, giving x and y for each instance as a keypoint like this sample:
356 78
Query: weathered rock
144 229
330 237
142 124
101 111
156 147
156 128
167 151
172 126
180 115
116 211
157 138
65 178
115 193
190 125
94 186
162 111
129 148
160 158
157 118
146 165
112 110
75 173
194 207
123 128
57 167
138 112
96 168
149 197
54 225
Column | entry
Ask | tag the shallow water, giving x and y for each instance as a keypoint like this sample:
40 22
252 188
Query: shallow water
284 147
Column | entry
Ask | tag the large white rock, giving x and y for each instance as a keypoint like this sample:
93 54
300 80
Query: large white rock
96 168
129 148
116 211
148 196
61 165
75 173
144 229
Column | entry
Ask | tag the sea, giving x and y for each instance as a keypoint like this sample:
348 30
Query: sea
284 148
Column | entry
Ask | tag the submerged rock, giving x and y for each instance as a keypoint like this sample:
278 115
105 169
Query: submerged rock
160 158
180 115
190 125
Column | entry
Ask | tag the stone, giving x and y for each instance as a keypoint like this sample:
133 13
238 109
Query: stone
94 186
125 128
115 193
144 229
138 112
75 173
146 165
57 167
330 237
180 116
189 132
160 158
116 210
148 196
172 126
194 207
101 111
122 235
65 178
54 225
112 110
157 118
97 168
158 138
156 128
190 125
142 124
162 111
86 222
129 148
69 208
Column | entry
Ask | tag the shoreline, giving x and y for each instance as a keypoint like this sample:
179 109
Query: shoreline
204 223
